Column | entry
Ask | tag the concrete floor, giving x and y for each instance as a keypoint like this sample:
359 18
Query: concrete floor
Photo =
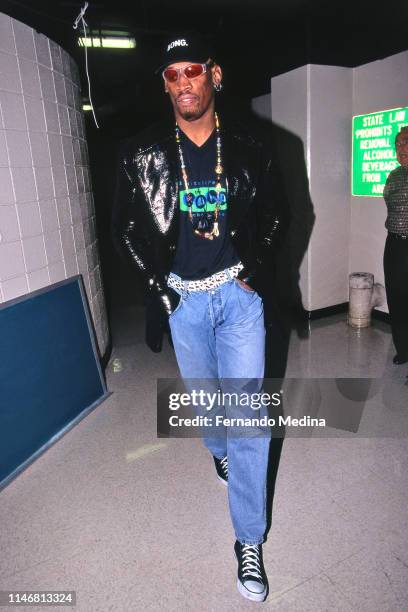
132 522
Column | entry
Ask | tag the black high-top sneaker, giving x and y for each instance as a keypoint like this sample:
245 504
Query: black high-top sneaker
221 465
252 582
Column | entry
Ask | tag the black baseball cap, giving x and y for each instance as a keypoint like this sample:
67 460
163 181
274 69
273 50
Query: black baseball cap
185 47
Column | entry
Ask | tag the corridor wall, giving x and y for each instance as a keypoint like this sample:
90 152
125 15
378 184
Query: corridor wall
316 104
47 211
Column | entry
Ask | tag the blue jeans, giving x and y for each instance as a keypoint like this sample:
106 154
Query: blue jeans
219 335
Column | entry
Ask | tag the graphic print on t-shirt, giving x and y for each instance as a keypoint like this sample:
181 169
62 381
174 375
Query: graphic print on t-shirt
198 257
202 200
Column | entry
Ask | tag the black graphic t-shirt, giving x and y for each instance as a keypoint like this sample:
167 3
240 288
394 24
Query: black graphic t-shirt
197 257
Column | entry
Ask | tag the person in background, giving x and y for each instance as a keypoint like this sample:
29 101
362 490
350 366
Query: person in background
396 248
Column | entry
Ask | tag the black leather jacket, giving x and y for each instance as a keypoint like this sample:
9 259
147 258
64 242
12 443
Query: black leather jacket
146 211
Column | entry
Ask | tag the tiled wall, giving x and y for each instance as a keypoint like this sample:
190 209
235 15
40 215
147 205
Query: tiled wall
47 213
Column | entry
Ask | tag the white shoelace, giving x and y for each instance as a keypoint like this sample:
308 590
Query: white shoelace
224 465
251 561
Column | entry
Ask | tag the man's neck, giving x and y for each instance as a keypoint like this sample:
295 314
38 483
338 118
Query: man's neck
199 130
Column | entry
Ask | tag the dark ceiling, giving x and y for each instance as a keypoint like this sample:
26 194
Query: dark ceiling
255 39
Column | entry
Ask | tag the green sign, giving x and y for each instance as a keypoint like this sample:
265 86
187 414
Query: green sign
373 153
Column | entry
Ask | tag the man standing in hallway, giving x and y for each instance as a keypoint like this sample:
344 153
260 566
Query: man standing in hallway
196 214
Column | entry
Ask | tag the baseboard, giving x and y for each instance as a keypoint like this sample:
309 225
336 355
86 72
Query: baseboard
381 316
320 313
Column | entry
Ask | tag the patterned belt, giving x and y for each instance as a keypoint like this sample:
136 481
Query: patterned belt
204 284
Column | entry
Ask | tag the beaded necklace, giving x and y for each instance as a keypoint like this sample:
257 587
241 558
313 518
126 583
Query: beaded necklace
205 227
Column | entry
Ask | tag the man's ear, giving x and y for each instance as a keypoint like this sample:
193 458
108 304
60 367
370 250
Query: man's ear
216 74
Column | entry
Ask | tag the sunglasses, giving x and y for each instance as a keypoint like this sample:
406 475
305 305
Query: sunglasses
192 71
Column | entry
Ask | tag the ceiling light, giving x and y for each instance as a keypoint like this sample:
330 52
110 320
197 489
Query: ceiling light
107 40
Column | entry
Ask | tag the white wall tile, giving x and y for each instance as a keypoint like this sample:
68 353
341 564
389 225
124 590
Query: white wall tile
38 279
92 284
6 34
9 229
53 247
71 266
42 49
85 278
83 205
56 151
34 253
45 187
51 116
57 272
39 149
71 180
78 237
64 212
87 178
60 88
60 181
3 149
81 123
67 239
18 147
56 59
24 40
12 106
87 236
70 93
24 185
68 150
82 262
29 78
6 191
47 83
14 287
64 120
49 216
30 220
77 151
73 122
76 211
80 179
11 260
35 114
9 73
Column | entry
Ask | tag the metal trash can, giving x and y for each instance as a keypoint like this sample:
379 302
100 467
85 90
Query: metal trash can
360 299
